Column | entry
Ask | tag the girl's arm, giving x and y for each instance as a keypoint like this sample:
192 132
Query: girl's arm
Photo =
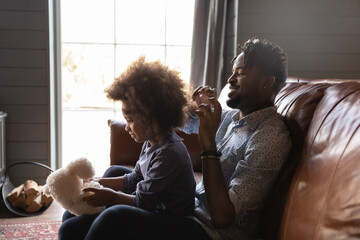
107 197
126 183
115 183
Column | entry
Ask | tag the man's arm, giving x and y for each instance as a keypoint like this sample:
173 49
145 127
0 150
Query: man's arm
222 210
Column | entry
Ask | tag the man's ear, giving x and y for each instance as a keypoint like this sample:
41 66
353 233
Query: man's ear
269 82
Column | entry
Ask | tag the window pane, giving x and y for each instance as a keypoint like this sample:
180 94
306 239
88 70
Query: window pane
87 21
179 58
179 22
87 69
86 134
125 54
100 38
140 21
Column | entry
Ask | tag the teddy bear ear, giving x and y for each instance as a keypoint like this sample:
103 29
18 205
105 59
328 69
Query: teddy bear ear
81 167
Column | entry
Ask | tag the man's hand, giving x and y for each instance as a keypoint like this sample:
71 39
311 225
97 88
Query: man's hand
202 94
210 116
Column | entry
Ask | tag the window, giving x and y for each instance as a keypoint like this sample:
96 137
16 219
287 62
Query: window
99 38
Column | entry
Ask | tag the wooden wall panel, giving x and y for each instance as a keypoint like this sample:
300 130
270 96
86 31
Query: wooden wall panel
26 133
320 37
297 24
326 74
23 77
22 39
24 80
23 95
321 44
26 113
22 20
27 151
324 62
24 5
23 58
305 7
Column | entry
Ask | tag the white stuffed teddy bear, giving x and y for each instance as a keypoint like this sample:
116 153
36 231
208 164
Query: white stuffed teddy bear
65 186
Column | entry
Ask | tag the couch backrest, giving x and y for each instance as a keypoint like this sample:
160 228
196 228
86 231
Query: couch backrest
324 197
321 199
296 102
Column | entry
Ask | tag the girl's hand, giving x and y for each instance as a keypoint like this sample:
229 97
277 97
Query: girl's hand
100 196
210 117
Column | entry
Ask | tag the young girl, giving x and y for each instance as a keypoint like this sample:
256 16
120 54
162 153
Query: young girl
162 184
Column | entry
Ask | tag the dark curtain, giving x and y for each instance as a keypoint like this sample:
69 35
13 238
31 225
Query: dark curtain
207 58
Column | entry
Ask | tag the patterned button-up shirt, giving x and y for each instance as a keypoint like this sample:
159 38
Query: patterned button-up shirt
254 149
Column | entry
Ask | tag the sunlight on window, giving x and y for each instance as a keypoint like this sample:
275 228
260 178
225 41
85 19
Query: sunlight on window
87 70
99 39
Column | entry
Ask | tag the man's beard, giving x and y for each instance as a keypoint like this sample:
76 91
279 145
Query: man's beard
233 102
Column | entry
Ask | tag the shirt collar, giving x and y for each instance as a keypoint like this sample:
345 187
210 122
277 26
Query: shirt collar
171 138
254 119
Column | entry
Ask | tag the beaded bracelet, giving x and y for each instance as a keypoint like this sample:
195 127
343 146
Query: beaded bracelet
210 157
207 155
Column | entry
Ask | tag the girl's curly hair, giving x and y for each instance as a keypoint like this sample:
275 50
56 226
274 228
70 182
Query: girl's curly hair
154 93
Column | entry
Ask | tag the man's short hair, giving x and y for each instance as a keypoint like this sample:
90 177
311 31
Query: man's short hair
268 57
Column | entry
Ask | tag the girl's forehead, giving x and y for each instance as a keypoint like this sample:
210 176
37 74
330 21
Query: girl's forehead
126 108
130 112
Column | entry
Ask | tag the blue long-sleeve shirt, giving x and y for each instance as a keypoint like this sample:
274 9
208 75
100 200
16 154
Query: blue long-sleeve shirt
163 179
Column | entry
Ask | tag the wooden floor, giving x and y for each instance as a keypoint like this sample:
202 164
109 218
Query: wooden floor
53 213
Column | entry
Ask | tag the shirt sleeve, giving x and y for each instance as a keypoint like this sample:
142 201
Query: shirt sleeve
191 124
131 180
265 153
163 171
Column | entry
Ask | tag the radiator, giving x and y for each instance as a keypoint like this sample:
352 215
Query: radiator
2 147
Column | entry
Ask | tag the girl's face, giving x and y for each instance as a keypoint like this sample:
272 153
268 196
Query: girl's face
134 127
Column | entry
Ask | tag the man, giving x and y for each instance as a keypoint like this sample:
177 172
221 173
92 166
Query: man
243 149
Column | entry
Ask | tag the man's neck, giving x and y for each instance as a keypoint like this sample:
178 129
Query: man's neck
245 112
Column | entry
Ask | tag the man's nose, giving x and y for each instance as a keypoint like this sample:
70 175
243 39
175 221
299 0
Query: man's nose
231 78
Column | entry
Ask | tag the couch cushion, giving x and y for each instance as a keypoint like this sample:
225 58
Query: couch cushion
324 197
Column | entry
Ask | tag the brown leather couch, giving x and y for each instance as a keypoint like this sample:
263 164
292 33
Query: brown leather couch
317 194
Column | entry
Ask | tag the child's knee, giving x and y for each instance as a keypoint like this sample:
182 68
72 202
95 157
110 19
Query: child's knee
116 171
66 231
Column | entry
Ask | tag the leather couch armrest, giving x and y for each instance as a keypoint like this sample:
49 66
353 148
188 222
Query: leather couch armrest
125 151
